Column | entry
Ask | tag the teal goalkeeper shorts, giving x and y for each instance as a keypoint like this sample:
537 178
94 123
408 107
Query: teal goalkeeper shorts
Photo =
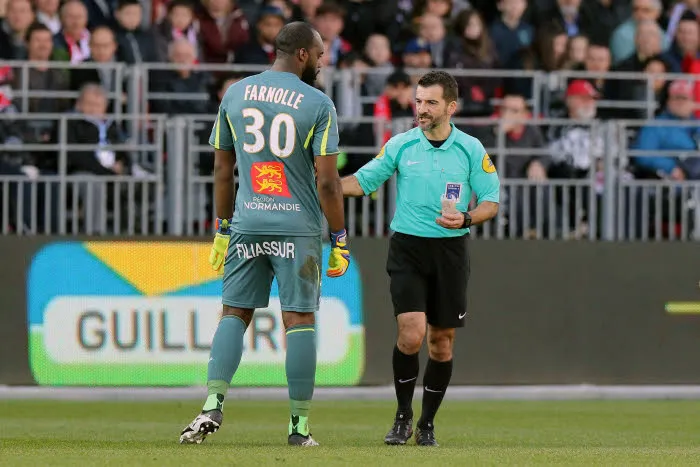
253 261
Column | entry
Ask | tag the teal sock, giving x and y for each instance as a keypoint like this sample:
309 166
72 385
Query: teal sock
224 358
300 365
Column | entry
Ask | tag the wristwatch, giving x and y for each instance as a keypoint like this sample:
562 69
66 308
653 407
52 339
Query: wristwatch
467 220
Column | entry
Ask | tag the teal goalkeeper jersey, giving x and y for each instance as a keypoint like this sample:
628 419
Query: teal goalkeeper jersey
425 173
276 124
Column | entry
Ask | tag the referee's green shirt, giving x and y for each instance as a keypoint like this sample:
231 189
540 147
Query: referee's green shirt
455 169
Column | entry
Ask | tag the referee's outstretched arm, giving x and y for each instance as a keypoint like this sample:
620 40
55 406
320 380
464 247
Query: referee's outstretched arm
351 187
373 174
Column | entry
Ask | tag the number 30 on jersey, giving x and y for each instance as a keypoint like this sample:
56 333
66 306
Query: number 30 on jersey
274 143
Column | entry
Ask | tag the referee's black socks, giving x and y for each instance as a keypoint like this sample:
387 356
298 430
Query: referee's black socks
405 376
435 381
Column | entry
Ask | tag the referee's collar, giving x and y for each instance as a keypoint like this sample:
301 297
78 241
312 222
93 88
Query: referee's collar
445 146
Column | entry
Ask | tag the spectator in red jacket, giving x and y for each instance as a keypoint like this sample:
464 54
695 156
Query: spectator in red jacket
691 58
686 41
223 28
396 102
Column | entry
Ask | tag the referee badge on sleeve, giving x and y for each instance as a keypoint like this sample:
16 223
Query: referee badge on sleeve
381 153
453 191
487 164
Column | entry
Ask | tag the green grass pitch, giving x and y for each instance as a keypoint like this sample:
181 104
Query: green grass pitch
48 433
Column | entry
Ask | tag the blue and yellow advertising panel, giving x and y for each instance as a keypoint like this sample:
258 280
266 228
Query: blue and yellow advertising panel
144 313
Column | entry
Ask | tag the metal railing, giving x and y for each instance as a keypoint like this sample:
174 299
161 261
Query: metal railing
62 201
176 196
657 209
342 85
179 200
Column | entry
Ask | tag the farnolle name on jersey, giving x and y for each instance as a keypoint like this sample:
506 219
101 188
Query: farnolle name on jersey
252 250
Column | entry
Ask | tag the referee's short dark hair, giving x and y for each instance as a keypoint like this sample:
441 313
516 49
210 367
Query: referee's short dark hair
295 36
442 79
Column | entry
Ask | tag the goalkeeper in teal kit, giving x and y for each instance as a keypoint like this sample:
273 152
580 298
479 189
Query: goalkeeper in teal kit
283 134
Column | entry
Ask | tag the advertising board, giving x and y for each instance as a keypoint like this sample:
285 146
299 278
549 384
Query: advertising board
144 313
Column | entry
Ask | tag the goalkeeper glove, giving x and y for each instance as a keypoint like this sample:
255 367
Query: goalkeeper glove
339 259
217 255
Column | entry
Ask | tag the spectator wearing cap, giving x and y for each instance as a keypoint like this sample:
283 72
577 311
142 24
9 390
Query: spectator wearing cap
395 103
178 23
47 14
13 30
573 147
329 22
474 51
260 50
679 107
286 6
577 147
223 29
135 44
625 37
511 33
416 54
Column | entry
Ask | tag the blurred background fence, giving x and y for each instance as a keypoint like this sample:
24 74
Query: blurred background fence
609 175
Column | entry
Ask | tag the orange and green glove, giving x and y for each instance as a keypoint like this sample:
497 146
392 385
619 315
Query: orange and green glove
339 259
217 255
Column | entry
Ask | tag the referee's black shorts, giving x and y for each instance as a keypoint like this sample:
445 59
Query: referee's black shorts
430 275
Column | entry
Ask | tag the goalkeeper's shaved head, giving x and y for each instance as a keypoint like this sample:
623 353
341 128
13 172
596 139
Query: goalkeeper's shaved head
299 47
295 36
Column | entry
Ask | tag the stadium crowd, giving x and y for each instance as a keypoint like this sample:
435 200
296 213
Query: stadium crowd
380 40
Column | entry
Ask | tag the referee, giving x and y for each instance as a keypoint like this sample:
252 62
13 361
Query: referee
438 167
